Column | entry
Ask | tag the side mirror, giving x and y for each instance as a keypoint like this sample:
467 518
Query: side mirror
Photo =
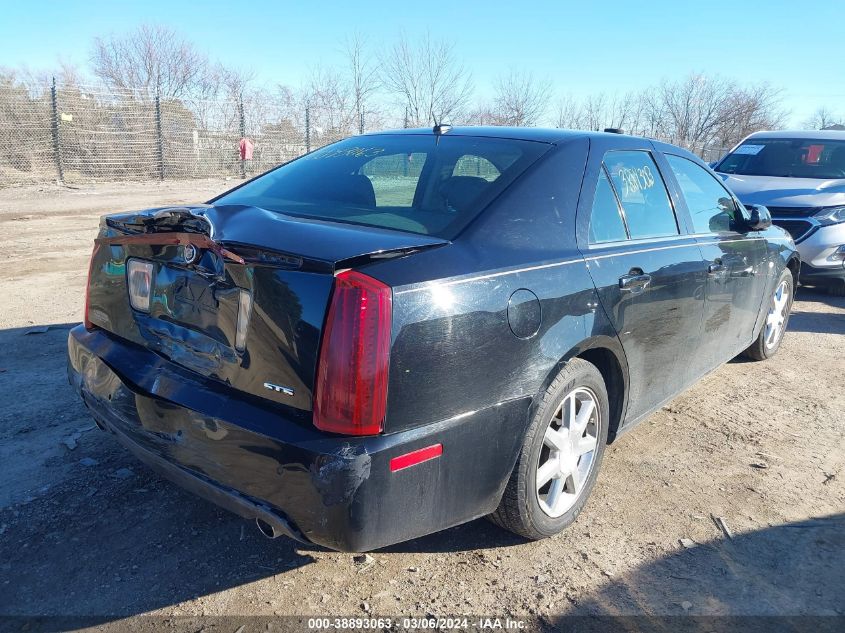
760 218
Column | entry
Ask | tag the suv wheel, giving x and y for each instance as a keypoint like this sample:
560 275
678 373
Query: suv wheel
777 318
560 457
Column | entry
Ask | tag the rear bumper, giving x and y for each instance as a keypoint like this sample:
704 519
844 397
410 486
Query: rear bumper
272 523
250 458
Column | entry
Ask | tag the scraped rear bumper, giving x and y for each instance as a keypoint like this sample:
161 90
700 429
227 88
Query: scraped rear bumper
252 459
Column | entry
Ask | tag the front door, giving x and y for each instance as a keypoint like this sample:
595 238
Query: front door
649 274
735 260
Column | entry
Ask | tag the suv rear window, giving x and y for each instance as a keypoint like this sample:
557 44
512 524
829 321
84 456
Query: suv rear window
785 157
418 183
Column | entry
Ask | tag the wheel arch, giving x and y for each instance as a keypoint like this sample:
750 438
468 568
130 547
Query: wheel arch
794 266
607 355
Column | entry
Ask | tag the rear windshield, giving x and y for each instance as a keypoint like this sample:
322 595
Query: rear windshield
422 184
796 158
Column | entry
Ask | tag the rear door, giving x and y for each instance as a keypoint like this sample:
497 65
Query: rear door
735 258
648 272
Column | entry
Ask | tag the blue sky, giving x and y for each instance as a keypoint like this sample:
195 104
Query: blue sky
582 47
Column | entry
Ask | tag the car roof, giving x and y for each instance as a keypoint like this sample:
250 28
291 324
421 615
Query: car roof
538 134
802 134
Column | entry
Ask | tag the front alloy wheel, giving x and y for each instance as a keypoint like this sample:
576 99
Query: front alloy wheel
777 318
778 313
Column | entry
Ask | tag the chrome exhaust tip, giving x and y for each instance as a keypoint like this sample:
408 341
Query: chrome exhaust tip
268 530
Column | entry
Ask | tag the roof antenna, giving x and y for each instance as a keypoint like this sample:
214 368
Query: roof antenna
440 128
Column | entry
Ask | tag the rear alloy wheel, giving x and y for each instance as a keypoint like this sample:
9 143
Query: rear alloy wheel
560 457
569 446
777 318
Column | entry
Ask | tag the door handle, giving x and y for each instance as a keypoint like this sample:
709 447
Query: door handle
634 282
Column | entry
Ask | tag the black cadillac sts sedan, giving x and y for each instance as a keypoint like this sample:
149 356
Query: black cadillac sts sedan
405 331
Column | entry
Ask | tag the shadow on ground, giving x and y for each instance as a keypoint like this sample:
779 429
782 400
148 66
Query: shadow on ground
807 293
817 322
787 577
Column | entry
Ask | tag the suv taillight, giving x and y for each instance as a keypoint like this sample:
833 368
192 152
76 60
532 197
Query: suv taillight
85 320
351 389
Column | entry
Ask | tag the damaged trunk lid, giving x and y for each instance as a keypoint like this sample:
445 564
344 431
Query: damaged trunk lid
210 269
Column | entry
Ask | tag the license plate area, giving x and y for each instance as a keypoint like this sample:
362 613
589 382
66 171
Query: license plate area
199 303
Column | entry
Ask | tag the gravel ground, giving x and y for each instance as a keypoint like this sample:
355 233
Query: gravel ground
86 530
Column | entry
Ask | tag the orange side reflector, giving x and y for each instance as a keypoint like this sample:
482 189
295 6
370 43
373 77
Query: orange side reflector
415 457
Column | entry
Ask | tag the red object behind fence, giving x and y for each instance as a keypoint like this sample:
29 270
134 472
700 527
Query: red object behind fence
245 148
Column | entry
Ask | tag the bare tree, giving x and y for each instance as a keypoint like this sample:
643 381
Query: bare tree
600 111
694 108
150 58
824 117
482 114
570 113
285 115
626 112
701 111
235 83
520 99
363 77
750 109
427 80
330 100
595 111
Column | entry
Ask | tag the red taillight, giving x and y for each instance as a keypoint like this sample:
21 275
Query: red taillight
351 389
85 320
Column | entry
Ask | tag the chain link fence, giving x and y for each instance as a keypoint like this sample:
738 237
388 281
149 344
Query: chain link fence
77 134
707 153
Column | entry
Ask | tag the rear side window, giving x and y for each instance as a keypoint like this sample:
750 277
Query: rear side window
411 182
605 220
643 194
710 205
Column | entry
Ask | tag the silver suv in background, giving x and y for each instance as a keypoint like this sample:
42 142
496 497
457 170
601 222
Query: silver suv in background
800 177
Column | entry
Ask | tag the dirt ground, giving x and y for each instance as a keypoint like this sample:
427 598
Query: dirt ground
87 530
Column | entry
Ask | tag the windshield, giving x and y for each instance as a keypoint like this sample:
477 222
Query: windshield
418 183
796 158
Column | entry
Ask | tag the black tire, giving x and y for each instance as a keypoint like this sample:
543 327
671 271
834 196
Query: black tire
520 511
758 350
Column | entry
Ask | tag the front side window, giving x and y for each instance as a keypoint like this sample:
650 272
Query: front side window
605 220
419 183
787 158
643 194
710 205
